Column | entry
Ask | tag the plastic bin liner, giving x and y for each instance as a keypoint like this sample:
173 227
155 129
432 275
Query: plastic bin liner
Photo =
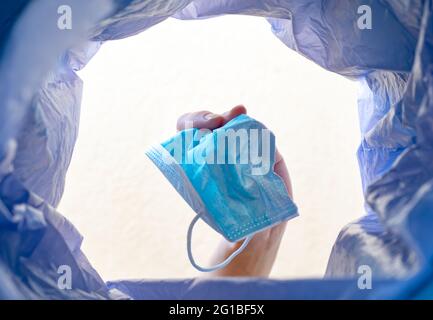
39 115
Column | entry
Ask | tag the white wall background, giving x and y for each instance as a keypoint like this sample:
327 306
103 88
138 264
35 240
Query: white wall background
133 221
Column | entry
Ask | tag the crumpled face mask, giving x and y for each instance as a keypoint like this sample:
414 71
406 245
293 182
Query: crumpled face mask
226 176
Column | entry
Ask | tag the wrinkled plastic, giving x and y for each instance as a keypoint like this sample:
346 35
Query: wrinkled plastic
39 120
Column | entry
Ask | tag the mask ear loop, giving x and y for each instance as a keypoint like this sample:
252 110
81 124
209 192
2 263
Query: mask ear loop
219 265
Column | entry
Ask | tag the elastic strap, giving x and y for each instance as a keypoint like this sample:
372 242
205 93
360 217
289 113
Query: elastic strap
219 265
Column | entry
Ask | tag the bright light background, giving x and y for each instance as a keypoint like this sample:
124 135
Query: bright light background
133 221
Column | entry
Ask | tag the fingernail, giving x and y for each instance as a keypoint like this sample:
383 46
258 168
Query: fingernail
209 116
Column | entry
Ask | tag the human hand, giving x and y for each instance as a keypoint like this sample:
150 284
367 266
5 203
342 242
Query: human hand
259 256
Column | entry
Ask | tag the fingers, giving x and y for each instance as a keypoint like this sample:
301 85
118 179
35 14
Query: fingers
280 169
233 113
211 121
207 119
200 119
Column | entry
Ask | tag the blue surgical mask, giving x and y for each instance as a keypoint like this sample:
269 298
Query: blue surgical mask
226 176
